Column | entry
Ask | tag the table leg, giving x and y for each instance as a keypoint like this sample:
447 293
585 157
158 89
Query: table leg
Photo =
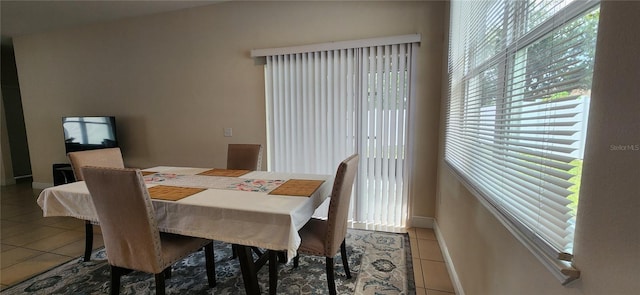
282 257
249 272
273 272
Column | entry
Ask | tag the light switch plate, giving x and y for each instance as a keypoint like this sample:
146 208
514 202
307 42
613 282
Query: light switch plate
228 132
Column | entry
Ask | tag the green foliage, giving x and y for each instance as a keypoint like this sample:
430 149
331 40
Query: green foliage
574 197
575 63
557 95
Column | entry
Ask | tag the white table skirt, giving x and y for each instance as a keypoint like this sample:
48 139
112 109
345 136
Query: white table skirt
233 216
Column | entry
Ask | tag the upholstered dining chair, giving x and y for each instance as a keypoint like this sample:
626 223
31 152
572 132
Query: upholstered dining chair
131 237
327 237
111 157
244 156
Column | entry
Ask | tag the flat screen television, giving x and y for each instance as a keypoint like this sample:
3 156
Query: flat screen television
89 133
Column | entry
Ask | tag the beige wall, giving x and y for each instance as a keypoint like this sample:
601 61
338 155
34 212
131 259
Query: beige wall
175 80
6 166
488 260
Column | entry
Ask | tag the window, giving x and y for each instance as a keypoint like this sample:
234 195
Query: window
324 105
519 85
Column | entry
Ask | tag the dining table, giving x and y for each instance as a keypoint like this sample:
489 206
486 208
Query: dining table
250 209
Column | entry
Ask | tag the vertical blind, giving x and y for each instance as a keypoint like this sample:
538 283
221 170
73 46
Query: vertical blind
323 106
311 110
519 84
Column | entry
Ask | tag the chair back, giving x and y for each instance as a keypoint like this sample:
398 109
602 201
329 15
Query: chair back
244 156
126 217
111 157
339 204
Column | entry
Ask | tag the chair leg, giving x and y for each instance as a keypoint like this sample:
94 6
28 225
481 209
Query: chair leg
167 272
160 283
345 259
210 264
330 276
88 242
296 260
116 273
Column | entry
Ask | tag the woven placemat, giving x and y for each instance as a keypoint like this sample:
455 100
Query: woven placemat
145 173
297 187
172 193
224 172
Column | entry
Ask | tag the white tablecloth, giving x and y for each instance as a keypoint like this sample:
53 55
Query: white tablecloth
228 215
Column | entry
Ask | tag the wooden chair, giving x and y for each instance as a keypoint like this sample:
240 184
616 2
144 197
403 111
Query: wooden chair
131 237
327 237
244 156
111 157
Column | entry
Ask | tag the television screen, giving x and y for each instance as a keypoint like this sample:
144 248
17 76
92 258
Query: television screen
89 133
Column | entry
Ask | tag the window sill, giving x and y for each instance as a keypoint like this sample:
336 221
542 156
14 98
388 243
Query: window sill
561 270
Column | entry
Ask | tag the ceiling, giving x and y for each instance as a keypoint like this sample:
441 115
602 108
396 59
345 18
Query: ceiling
23 17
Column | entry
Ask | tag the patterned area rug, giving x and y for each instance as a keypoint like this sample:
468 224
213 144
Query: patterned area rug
380 264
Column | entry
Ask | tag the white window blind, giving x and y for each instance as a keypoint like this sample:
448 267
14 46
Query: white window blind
519 84
323 106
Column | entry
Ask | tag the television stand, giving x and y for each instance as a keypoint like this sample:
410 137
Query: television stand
63 174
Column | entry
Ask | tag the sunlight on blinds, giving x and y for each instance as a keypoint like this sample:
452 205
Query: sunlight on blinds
519 91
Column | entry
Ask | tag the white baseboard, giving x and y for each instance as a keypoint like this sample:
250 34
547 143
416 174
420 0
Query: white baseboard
422 222
453 275
41 185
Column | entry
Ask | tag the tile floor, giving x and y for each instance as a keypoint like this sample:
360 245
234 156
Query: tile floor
31 244
429 269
